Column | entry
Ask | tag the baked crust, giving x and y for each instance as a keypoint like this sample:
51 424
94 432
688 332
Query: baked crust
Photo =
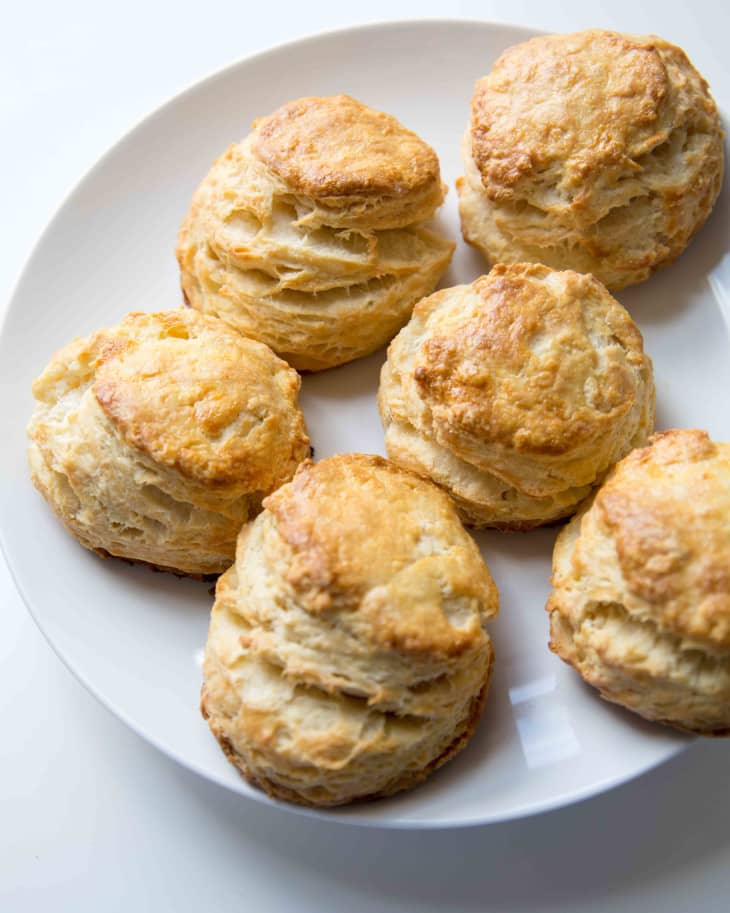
309 235
346 656
338 147
640 604
173 385
517 393
407 780
594 151
156 439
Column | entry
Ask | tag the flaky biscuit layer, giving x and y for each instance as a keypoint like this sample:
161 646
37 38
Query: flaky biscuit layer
309 234
517 393
594 151
640 604
346 656
156 439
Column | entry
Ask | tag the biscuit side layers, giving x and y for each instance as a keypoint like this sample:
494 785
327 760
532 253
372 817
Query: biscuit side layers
347 656
310 235
593 151
640 604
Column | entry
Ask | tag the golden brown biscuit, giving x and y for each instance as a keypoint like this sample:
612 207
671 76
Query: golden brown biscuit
346 657
352 161
517 393
309 234
156 439
593 151
640 604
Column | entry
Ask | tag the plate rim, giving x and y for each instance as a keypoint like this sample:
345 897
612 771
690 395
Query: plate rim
346 815
189 87
337 815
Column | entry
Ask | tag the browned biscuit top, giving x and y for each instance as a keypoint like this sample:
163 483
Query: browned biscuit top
569 111
539 361
667 507
338 147
391 545
191 393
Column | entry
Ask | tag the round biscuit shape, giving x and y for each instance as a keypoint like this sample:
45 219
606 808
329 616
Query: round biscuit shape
517 393
593 151
309 235
347 657
156 439
640 604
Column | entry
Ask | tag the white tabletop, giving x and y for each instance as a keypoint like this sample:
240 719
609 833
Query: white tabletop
91 817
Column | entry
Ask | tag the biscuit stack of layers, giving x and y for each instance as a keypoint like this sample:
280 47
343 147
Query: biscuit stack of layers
517 393
346 656
156 439
593 151
641 584
308 235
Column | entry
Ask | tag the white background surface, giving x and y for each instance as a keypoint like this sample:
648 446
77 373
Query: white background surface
91 818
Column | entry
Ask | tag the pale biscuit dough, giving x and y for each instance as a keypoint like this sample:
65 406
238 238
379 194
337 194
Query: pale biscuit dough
517 393
640 604
309 235
156 439
594 151
346 657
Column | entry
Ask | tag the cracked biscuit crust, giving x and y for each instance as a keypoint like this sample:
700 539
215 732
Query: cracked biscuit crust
517 393
641 584
593 151
156 439
346 656
309 235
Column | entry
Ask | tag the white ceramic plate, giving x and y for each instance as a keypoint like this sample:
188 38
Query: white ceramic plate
135 638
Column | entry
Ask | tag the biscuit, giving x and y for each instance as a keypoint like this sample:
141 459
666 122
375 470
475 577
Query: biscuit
155 440
309 235
594 151
640 604
346 657
517 393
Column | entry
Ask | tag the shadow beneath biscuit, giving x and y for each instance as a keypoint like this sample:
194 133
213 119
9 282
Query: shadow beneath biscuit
340 407
602 851
355 380
161 592
665 414
519 544
466 265
550 861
